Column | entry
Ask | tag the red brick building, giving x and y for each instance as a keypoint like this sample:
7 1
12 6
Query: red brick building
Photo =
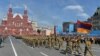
16 24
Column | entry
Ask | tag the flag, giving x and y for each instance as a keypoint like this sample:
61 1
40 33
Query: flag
83 27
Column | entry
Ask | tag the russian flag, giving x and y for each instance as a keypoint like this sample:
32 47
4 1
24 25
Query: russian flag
83 27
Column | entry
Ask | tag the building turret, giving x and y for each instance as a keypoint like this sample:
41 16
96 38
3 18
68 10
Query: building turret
25 11
25 16
10 14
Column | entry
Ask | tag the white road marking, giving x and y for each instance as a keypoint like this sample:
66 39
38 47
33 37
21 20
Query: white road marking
43 54
13 47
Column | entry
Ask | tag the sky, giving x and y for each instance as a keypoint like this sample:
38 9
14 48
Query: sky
52 12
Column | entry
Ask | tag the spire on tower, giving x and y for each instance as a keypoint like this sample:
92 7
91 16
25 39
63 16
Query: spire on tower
25 16
10 5
25 11
10 8
25 7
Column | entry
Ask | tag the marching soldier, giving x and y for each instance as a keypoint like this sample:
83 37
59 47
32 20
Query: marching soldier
0 41
46 42
49 40
68 46
73 44
38 42
52 42
88 47
34 42
76 46
42 40
60 42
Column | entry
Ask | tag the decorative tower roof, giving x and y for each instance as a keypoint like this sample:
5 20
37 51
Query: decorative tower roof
25 11
10 14
25 7
10 8
25 16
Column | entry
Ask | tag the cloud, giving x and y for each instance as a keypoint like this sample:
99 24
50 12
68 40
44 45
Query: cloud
78 9
75 7
83 15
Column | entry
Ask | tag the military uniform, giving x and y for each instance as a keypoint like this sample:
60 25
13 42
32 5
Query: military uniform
0 41
87 50
68 46
60 42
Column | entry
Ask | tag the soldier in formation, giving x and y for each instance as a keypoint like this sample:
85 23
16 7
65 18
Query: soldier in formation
0 41
72 43
88 45
47 41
